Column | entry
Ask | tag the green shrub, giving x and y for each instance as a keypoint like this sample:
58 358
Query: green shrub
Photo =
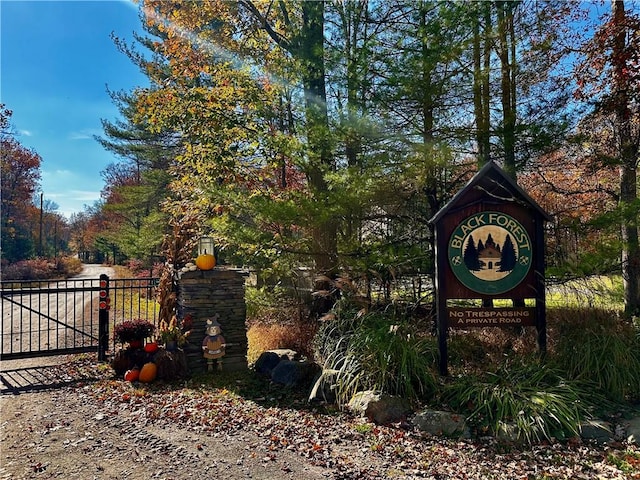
527 396
260 301
273 305
600 348
376 351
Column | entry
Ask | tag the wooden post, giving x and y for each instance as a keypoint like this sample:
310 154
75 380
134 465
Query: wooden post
103 318
441 305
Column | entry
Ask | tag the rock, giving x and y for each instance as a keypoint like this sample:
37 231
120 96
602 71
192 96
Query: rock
508 433
270 359
324 387
435 422
632 428
287 354
266 363
596 430
292 373
358 403
380 408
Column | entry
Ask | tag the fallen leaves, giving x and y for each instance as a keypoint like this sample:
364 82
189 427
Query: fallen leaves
345 446
352 448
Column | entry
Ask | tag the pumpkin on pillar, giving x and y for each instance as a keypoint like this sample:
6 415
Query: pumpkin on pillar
205 260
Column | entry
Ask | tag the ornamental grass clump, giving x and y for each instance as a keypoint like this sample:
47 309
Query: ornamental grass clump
376 351
598 347
277 320
527 398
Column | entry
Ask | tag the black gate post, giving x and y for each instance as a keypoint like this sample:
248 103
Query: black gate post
103 318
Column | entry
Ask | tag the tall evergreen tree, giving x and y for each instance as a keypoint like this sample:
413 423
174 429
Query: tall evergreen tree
507 255
136 187
470 255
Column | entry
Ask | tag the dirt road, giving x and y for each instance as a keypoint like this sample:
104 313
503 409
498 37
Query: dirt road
52 318
112 429
94 270
62 434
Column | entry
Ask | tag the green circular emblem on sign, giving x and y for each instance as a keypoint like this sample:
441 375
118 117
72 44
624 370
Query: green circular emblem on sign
490 252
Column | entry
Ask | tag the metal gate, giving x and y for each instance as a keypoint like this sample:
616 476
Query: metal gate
62 317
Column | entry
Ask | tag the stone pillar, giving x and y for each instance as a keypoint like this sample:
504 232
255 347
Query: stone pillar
203 294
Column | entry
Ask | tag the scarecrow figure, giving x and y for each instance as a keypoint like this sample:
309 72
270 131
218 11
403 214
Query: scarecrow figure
213 345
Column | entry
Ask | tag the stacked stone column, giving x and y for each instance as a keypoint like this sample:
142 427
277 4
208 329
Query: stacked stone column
203 294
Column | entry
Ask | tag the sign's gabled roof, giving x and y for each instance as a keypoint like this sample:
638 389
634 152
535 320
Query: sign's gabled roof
496 183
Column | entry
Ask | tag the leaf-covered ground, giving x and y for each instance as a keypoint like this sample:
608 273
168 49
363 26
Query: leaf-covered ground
271 428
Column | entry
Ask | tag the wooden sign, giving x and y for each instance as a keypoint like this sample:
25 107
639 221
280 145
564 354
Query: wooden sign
490 317
490 252
489 245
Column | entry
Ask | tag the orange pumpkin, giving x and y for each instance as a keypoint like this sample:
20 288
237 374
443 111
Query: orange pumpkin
151 347
205 261
148 373
132 375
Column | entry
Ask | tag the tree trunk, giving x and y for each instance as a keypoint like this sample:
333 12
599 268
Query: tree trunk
507 72
481 63
628 162
351 14
324 233
320 156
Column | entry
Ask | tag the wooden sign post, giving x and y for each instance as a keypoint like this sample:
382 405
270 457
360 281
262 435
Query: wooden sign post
489 245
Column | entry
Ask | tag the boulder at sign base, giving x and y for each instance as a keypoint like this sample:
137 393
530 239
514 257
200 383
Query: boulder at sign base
380 408
268 360
435 422
294 374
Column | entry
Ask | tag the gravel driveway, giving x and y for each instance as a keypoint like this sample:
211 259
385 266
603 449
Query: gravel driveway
62 434
99 427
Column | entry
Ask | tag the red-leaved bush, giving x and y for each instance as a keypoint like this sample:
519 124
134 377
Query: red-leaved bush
42 269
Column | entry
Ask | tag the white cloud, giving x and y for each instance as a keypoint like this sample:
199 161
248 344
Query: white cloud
26 133
85 195
85 134
59 175
58 186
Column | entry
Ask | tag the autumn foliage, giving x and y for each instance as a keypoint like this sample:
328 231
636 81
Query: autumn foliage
20 177
327 134
576 195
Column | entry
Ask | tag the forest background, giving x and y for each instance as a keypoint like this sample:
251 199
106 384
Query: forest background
322 137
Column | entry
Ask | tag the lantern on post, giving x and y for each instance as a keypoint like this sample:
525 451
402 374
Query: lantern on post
205 259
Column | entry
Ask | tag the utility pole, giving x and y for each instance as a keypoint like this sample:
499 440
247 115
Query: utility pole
41 223
55 239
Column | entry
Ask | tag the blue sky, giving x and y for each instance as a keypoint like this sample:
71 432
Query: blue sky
56 61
